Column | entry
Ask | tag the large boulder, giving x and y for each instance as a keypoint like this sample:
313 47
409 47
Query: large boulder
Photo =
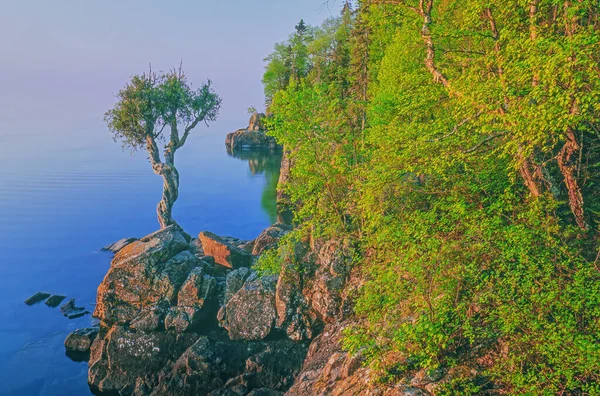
144 273
250 314
224 251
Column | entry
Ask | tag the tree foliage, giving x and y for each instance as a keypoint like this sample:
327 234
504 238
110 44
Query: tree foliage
457 142
149 107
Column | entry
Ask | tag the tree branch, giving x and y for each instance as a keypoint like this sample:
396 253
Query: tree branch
484 141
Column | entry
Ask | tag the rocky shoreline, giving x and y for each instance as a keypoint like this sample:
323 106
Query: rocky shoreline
189 316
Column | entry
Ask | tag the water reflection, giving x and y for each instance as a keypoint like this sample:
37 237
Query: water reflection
267 163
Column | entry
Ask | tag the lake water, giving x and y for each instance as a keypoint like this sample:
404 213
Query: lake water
65 193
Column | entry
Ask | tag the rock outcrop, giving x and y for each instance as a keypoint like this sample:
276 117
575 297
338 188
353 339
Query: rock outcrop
184 317
159 333
253 137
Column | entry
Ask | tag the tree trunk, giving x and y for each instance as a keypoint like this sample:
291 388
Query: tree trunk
164 208
568 167
170 177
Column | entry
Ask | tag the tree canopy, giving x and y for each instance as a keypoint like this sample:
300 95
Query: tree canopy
456 143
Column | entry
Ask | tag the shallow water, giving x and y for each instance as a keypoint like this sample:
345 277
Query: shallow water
66 193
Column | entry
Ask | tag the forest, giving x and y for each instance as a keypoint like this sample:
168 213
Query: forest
455 145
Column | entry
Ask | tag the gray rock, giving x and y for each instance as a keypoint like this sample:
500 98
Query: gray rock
36 298
252 137
152 318
81 339
55 300
198 289
234 282
250 314
182 319
122 360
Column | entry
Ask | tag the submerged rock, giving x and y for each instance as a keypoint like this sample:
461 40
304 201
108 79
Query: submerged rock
55 300
36 298
224 252
81 339
71 311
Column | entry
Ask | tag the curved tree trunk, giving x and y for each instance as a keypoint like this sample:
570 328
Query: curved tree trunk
170 177
164 208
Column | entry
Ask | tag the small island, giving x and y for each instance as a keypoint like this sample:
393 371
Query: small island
254 137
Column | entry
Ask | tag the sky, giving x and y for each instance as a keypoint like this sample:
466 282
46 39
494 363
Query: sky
62 61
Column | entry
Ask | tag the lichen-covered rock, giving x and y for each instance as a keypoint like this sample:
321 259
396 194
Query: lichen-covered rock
234 282
329 370
225 253
81 339
195 246
121 359
327 284
294 314
215 367
182 319
250 314
144 273
151 318
268 238
198 289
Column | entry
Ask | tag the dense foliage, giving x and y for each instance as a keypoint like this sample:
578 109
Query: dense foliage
458 143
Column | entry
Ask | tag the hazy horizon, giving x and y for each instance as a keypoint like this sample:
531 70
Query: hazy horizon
63 61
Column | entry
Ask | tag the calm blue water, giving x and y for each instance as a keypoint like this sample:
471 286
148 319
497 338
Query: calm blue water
64 193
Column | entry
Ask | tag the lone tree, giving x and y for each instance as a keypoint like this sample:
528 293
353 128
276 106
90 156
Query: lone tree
151 104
